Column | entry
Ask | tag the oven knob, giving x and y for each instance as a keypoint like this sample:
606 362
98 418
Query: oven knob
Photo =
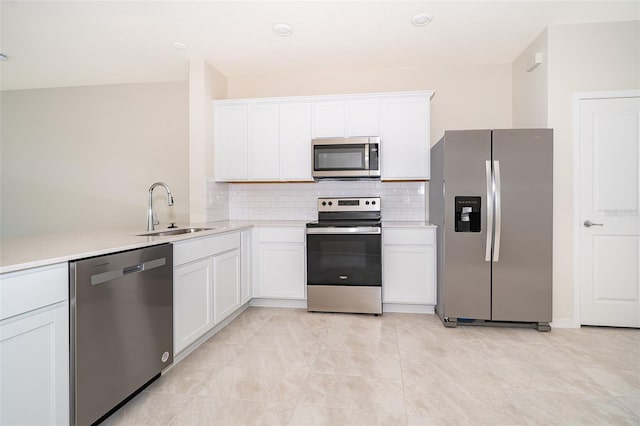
367 203
373 202
330 203
324 203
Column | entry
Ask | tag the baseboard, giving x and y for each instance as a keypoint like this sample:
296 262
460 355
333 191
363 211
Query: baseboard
407 308
564 323
279 303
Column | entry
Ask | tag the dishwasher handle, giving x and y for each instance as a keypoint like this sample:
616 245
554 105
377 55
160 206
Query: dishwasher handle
114 274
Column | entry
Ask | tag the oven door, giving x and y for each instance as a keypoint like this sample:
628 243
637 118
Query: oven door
344 256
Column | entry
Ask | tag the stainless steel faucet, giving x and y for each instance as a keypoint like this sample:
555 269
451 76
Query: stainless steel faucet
151 222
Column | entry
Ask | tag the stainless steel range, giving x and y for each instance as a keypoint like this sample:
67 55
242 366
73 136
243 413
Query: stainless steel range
344 256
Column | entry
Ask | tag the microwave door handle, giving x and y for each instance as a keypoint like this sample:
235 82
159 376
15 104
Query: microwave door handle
366 157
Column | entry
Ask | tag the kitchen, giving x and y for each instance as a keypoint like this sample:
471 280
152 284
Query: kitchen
164 134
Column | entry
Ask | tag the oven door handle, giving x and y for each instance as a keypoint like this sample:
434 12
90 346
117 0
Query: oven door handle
345 230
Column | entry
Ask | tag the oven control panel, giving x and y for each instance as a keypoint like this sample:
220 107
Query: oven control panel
358 204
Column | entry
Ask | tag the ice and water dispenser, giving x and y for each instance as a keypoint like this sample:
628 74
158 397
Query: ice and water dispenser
467 211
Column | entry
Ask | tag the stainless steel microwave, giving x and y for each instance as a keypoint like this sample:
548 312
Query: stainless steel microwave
346 158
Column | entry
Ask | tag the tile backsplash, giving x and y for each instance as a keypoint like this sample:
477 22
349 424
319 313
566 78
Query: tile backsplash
401 201
217 200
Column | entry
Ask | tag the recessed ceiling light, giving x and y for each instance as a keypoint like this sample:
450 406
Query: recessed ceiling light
421 19
282 30
3 57
179 45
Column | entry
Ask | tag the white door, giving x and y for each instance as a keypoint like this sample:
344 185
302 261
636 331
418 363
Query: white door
609 214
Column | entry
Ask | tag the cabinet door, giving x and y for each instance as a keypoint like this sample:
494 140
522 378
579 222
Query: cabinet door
328 119
34 361
281 270
264 142
231 142
226 281
409 274
192 302
295 141
363 117
405 138
246 263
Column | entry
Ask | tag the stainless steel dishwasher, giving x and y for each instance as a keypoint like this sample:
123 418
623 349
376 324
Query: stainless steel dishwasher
121 327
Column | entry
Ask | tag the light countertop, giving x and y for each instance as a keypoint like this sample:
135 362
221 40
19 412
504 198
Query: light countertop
30 252
408 224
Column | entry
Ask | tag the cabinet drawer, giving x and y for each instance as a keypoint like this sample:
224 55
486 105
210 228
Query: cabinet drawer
281 235
25 291
188 251
409 236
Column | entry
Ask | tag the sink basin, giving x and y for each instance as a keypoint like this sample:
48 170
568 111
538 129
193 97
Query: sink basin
169 232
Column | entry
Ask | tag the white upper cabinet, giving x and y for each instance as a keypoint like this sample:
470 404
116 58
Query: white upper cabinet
348 116
264 141
231 142
363 117
404 135
257 140
328 119
270 139
295 141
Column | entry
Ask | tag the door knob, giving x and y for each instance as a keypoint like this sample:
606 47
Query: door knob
589 224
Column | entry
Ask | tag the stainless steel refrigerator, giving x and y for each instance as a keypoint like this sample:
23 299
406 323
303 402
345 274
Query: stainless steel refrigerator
490 195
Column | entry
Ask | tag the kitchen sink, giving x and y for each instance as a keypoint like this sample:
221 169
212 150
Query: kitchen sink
169 232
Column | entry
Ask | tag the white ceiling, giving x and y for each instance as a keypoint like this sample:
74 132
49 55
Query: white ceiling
56 43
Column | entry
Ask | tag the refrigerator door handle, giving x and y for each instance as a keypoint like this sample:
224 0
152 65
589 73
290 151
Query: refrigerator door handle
496 243
487 253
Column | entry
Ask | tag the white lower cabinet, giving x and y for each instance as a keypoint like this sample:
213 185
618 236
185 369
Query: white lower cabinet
192 302
280 262
34 347
409 266
206 285
246 263
226 279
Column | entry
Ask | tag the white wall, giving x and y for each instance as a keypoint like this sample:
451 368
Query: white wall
578 58
205 84
582 58
465 98
530 88
82 158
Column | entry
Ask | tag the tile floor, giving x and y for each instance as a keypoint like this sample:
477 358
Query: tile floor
274 366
